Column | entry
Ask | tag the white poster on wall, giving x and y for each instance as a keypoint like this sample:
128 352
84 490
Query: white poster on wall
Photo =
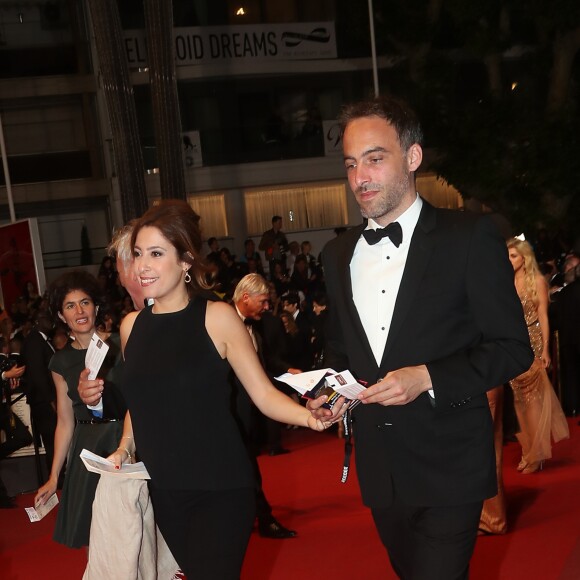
191 147
332 138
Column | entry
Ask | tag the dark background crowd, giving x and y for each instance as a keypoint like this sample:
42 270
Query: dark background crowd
296 296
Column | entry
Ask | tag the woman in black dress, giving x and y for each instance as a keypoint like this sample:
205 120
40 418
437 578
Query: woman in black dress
177 361
75 297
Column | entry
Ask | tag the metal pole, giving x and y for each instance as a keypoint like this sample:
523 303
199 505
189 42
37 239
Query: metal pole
373 48
6 173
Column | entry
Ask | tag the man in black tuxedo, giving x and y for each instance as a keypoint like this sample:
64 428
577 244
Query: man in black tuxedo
565 318
39 387
428 317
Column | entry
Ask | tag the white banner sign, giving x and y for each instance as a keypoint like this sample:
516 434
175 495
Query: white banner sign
211 44
192 149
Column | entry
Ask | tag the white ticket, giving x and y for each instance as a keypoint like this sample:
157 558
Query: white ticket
95 356
35 514
345 384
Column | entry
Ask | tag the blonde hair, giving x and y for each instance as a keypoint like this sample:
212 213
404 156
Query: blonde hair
251 284
120 246
531 268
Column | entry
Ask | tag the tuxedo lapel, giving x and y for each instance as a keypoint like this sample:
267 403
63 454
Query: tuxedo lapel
346 283
419 254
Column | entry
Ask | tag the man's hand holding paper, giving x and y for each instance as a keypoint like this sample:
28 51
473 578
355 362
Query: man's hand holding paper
328 406
398 387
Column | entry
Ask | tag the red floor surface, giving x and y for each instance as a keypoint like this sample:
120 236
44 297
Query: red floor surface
336 538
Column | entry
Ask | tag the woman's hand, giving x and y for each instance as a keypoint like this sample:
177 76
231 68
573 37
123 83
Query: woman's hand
120 456
545 358
45 492
14 373
90 392
321 418
319 424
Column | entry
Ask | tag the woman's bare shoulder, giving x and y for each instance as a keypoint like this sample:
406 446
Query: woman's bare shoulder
220 312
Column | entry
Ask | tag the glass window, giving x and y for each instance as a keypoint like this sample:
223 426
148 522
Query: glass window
49 139
36 39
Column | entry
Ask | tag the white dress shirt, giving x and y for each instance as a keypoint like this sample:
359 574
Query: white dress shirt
376 273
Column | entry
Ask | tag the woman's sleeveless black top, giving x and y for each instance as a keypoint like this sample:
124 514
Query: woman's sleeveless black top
177 391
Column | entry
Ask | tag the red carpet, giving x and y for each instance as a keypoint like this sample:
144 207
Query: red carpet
336 537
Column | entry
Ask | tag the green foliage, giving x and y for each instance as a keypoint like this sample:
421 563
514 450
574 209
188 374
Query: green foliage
498 140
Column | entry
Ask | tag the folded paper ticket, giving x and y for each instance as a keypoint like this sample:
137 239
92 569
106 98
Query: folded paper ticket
94 358
36 513
102 466
313 384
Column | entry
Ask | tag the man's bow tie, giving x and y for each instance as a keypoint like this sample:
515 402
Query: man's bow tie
392 231
249 321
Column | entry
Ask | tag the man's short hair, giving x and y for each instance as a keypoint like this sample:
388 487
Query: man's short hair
275 218
251 284
396 112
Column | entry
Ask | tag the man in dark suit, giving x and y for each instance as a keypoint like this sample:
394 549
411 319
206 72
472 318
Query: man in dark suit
273 351
38 385
250 300
565 318
274 243
16 432
428 317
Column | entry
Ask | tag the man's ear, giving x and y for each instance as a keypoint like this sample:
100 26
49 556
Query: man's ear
414 157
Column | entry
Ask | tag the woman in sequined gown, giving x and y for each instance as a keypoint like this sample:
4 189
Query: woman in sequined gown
538 410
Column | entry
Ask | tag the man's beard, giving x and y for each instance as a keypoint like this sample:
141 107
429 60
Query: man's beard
389 199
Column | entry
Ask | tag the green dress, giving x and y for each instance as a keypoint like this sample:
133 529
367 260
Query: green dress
73 521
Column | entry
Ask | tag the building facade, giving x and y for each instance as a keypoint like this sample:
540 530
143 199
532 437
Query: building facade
260 84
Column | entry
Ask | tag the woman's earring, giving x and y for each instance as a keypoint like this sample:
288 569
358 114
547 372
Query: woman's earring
62 317
187 277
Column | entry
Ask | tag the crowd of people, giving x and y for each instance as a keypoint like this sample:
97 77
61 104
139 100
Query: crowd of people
421 304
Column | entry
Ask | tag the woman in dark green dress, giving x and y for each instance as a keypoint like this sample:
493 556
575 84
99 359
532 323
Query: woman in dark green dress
75 298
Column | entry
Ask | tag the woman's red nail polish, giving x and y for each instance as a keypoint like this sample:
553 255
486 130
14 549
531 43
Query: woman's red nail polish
116 467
